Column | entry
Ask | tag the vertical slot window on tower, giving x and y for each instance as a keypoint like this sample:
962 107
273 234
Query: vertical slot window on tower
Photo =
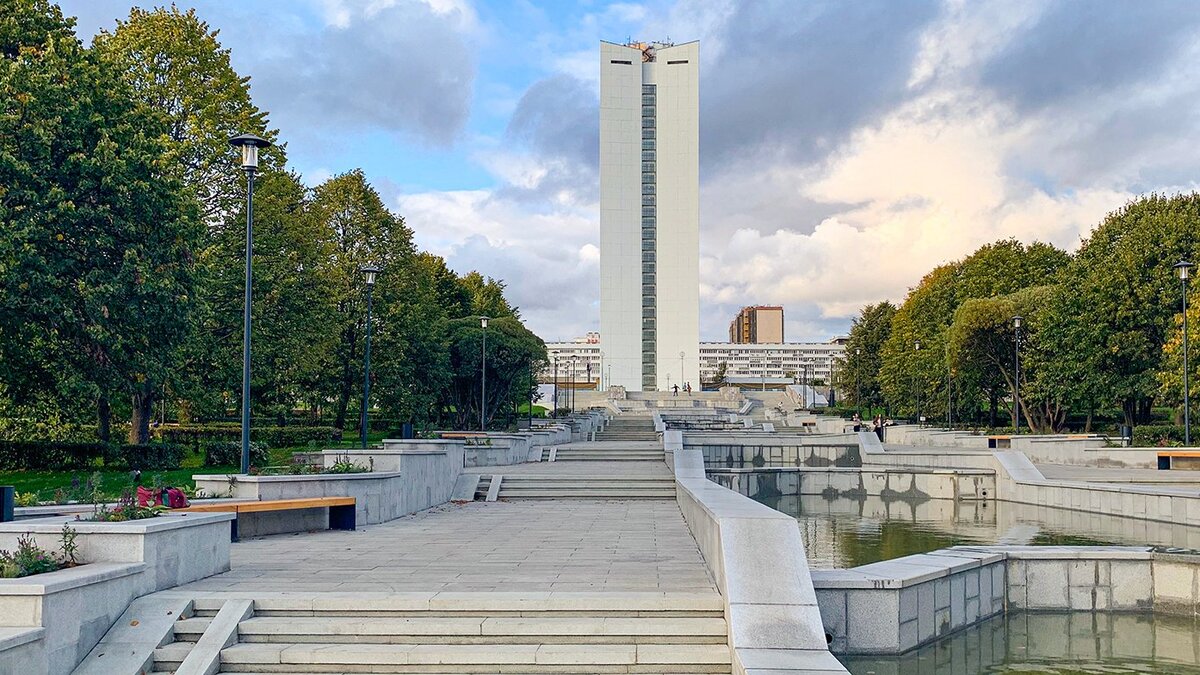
649 235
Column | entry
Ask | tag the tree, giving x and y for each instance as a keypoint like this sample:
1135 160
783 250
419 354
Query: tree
511 351
97 260
452 295
177 68
487 296
1119 299
859 371
363 231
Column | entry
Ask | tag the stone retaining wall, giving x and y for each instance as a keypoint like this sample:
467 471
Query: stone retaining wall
748 448
857 483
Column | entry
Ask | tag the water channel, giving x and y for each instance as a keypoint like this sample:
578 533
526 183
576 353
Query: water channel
841 533
1058 643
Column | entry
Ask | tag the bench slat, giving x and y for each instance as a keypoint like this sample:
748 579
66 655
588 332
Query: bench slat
270 505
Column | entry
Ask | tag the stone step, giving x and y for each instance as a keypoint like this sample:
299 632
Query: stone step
190 630
451 658
169 656
485 630
486 604
589 494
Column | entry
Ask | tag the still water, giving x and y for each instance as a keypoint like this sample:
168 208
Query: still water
840 533
1062 644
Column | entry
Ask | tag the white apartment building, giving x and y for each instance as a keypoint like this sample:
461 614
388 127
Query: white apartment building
583 361
649 214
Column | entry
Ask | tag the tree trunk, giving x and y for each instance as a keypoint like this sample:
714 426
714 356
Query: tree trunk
143 410
103 419
993 409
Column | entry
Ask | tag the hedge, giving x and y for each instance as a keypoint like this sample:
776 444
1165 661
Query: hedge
196 435
16 455
150 456
1157 435
229 453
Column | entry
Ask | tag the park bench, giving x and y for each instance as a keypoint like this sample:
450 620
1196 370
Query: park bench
1180 460
341 510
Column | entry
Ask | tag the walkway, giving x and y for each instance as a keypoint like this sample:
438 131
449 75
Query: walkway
560 545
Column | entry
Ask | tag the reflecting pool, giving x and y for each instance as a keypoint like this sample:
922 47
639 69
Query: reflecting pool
1063 644
842 532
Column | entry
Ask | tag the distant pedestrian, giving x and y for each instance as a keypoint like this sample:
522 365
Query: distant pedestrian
687 387
878 424
674 390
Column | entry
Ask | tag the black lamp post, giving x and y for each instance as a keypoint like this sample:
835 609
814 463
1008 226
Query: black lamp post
1017 321
916 389
857 385
249 145
369 271
1183 268
554 407
574 367
483 322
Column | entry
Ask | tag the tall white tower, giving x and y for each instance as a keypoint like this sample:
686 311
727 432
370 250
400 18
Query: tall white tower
650 213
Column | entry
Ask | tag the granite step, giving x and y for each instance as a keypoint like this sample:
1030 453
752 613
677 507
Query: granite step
456 658
484 630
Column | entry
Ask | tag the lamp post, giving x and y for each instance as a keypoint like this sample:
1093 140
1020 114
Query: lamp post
532 394
916 389
857 385
681 375
602 373
249 145
1183 268
574 367
369 271
554 407
1017 321
483 323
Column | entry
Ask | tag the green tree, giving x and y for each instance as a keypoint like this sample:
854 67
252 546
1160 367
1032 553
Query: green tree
858 375
512 350
363 231
452 294
1118 302
97 239
177 68
487 296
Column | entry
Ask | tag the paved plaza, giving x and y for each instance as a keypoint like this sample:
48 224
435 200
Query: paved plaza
568 545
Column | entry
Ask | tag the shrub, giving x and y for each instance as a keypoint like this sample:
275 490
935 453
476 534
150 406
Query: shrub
195 436
1157 436
147 457
28 559
229 453
127 508
16 455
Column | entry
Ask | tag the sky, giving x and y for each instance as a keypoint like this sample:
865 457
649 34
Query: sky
846 148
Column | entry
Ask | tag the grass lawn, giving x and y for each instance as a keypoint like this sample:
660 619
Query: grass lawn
112 482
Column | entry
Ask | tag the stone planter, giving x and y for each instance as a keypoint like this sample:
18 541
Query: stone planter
64 614
176 548
378 497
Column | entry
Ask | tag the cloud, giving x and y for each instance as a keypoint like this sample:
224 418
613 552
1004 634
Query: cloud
402 67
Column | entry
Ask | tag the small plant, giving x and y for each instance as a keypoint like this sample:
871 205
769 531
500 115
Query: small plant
126 509
70 548
26 499
28 559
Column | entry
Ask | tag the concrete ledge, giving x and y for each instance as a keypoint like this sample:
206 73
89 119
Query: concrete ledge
69 578
757 559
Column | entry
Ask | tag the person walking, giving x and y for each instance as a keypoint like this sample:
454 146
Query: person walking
674 390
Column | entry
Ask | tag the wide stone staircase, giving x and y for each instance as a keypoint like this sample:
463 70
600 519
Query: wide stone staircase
635 632
628 428
575 486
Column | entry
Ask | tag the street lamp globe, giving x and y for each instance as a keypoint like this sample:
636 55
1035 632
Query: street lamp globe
483 321
249 145
1017 321
1183 268
369 271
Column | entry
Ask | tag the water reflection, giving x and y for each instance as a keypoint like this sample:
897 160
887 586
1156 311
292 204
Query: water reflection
1066 644
843 532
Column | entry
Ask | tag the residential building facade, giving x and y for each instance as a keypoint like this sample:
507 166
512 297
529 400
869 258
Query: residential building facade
757 324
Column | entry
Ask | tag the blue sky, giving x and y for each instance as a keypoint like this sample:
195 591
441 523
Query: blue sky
846 147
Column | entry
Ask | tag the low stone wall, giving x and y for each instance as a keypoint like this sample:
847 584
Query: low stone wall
1076 450
1018 480
757 558
379 497
177 548
75 607
893 606
857 483
749 448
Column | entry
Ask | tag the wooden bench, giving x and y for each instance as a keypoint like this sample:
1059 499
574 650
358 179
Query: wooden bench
1190 460
341 510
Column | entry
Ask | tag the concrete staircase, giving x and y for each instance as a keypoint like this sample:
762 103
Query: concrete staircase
626 451
628 428
554 486
467 633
